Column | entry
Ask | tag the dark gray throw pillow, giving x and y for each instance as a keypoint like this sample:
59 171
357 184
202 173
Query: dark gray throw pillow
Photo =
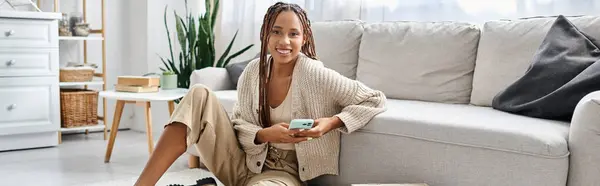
235 69
564 69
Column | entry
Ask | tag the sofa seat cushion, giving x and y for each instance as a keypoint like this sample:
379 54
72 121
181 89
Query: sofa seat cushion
474 126
227 99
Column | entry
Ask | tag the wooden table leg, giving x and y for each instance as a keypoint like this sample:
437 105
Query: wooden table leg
114 129
149 128
105 129
59 137
193 162
171 107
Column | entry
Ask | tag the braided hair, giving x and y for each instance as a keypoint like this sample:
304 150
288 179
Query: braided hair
308 48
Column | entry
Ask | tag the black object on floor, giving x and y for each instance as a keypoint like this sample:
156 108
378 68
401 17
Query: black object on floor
206 181
200 182
565 68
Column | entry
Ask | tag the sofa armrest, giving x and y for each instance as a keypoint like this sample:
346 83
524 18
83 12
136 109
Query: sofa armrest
213 78
584 142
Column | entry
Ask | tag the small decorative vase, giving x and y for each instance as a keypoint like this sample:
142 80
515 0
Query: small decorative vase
168 81
64 29
81 29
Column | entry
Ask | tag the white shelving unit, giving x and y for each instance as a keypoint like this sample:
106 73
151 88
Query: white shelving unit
95 127
69 84
96 35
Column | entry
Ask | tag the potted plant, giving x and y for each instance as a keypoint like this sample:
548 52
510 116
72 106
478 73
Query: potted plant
196 39
168 80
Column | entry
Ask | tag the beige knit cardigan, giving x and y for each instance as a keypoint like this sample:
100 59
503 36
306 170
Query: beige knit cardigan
317 92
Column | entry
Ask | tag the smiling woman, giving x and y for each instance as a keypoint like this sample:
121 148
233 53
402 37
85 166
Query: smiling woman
284 34
256 146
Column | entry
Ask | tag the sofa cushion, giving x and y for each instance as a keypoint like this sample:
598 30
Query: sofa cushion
473 126
429 61
563 71
336 44
506 49
234 70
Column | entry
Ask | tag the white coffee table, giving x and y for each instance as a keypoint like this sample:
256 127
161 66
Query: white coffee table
143 98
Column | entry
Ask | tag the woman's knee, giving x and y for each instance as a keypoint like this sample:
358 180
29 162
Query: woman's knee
199 90
177 131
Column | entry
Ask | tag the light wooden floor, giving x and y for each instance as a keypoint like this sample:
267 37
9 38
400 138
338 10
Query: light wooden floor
79 160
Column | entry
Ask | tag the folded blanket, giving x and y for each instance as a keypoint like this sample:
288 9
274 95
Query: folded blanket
564 69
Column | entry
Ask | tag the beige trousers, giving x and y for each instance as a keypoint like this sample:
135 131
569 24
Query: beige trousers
211 132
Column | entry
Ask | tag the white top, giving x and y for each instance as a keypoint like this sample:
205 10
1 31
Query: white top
283 113
161 95
29 14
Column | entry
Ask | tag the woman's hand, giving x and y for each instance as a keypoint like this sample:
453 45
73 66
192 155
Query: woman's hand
278 133
321 127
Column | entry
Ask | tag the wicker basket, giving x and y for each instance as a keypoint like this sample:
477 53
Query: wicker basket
76 75
78 107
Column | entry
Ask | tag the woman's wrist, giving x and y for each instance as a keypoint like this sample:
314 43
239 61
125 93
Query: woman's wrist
332 124
337 122
259 138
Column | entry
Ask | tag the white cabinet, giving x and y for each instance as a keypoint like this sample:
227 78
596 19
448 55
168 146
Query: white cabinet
29 105
28 33
29 88
27 62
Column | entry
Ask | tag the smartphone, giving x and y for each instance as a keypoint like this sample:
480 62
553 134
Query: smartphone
301 124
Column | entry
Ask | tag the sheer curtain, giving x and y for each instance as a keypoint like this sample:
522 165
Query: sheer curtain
246 16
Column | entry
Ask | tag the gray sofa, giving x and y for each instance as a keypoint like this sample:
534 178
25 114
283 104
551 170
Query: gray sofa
440 79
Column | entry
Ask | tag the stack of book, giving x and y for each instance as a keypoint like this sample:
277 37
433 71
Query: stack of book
137 84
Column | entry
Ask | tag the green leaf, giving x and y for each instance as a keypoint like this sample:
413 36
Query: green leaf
168 34
165 63
201 45
208 54
179 18
192 32
181 62
186 7
172 64
181 33
199 56
211 47
226 52
208 8
214 14
192 41
237 54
